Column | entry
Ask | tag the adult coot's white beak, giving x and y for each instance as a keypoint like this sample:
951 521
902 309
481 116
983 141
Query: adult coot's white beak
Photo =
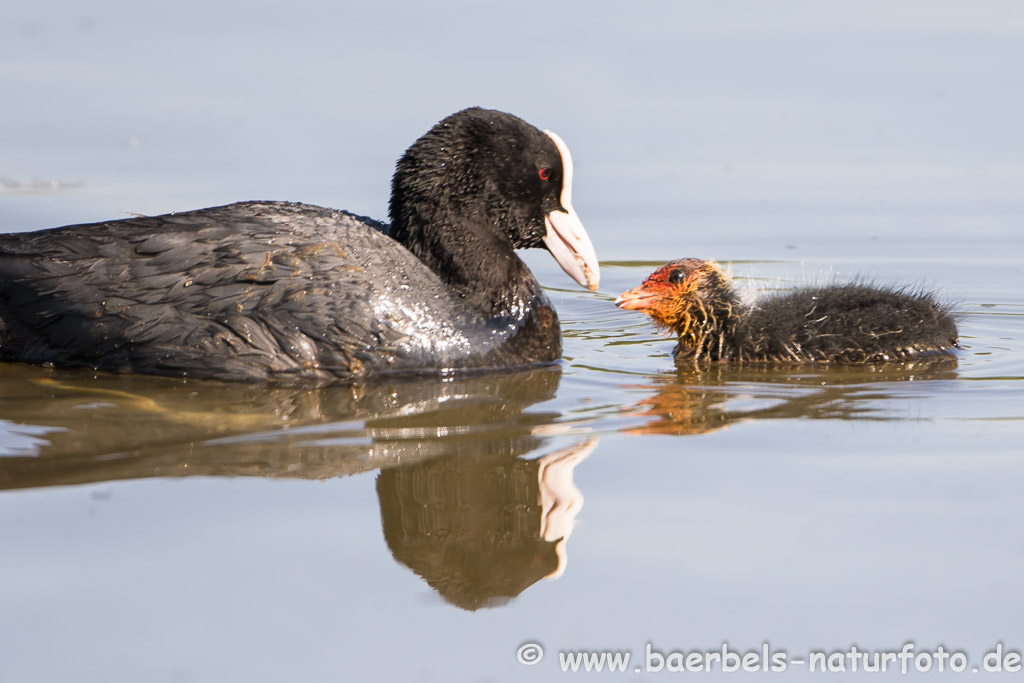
566 238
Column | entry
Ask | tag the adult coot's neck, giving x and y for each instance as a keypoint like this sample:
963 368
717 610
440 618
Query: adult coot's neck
466 195
469 258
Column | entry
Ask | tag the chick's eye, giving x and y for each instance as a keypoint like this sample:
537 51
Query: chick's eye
676 276
544 173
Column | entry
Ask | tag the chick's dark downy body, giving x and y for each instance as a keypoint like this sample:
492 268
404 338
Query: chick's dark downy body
260 290
847 323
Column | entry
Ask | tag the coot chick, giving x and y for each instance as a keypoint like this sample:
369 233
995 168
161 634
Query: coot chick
849 323
272 290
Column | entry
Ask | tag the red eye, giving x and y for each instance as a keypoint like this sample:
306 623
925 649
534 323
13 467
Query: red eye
544 173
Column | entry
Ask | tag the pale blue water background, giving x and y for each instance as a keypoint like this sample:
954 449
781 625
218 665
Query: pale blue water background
799 141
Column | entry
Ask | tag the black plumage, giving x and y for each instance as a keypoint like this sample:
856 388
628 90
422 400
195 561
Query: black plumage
260 290
853 323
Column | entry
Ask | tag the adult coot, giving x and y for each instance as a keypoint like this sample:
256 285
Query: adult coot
849 323
259 290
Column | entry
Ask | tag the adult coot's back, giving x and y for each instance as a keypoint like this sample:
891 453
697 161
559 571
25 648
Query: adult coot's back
273 290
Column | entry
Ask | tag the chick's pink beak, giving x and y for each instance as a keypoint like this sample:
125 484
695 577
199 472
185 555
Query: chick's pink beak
637 299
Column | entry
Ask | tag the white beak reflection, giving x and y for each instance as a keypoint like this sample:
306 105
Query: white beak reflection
560 500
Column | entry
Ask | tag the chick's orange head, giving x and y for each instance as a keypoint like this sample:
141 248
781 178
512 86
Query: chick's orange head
668 294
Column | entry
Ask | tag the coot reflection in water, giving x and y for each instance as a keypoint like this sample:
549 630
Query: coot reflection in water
474 497
695 401
480 530
104 427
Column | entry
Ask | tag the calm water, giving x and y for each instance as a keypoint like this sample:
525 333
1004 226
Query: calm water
159 530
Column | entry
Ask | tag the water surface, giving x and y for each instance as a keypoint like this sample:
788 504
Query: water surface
165 530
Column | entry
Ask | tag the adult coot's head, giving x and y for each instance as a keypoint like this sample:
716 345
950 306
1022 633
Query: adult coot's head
482 179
